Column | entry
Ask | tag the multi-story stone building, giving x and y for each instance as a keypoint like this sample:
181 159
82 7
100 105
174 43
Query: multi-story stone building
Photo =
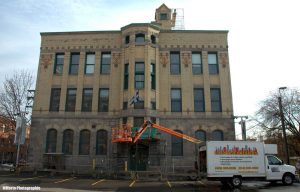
86 79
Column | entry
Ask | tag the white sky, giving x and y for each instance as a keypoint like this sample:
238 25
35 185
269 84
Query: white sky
264 35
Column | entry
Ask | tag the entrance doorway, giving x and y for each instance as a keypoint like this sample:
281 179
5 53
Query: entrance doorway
139 157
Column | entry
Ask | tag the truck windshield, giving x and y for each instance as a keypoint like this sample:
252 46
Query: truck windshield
272 160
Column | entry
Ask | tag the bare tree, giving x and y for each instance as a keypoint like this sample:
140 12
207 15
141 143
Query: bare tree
13 94
268 116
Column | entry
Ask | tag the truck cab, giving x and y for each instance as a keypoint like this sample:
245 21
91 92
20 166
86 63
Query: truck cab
276 170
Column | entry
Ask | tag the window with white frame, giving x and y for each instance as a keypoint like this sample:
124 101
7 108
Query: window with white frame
89 63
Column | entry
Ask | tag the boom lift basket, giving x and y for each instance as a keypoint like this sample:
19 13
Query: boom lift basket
121 134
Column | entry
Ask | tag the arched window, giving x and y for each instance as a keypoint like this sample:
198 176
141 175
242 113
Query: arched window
177 145
51 141
140 38
127 39
201 135
84 142
67 146
101 142
153 39
217 135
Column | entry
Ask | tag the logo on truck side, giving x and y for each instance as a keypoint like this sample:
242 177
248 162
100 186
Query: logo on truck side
236 150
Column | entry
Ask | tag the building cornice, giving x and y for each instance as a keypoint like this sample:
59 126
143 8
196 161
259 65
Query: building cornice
194 31
140 25
129 26
79 33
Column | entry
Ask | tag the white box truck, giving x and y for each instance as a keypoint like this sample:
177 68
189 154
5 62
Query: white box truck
234 161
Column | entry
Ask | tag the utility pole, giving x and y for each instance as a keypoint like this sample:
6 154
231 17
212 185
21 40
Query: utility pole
243 125
283 126
20 133
3 126
18 136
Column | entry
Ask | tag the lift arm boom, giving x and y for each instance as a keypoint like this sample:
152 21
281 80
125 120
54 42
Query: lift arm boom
147 124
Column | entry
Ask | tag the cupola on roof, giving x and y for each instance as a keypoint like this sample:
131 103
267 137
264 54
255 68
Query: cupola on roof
164 17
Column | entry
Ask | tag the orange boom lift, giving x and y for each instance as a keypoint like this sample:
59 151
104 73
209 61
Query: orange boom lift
124 134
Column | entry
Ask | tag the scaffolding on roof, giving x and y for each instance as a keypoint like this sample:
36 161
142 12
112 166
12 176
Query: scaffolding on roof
179 23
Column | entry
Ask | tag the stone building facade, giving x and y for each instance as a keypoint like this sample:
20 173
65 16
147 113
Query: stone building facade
86 79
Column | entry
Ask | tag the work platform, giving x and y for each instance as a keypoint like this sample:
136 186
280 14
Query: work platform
126 133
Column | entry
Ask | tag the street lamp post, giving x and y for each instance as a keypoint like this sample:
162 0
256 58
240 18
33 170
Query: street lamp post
283 126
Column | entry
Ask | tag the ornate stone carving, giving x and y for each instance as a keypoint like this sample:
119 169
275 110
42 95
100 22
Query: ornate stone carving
186 59
46 60
164 59
223 59
116 59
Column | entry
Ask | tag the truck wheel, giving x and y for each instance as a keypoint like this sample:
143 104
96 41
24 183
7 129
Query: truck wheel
236 181
287 179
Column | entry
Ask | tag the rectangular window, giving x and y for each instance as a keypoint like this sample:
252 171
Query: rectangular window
213 63
103 100
139 105
125 105
140 38
87 98
71 99
89 63
175 63
175 100
126 76
153 83
54 99
105 63
139 75
196 63
153 105
153 119
59 63
163 16
215 96
199 104
138 121
124 120
74 65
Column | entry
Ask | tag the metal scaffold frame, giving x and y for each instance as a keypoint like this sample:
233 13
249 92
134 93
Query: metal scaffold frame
131 137
179 23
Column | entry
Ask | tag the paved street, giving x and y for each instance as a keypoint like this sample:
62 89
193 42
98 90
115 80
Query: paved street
68 183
